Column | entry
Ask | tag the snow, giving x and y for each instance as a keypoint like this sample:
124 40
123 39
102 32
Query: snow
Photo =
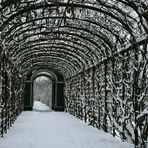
39 106
56 129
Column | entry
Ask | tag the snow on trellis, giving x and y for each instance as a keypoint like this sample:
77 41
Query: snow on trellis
100 47
119 116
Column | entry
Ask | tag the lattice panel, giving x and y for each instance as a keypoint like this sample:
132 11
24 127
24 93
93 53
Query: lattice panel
11 98
113 96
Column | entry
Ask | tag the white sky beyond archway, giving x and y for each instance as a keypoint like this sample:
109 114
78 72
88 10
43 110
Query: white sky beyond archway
42 93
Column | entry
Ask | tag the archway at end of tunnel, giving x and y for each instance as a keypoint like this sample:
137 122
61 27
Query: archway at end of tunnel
54 92
42 94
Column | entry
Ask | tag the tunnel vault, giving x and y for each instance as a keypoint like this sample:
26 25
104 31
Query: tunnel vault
100 47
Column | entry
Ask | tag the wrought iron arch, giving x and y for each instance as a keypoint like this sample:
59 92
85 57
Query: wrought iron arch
97 47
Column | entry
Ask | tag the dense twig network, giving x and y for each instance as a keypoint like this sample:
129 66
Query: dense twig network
99 46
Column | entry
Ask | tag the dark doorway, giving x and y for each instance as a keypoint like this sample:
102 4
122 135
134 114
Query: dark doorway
57 103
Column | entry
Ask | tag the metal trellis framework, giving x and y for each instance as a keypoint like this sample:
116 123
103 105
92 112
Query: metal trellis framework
99 46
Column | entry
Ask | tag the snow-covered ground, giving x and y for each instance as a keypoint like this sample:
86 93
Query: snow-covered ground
56 130
39 106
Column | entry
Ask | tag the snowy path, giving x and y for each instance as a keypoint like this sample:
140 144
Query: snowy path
56 130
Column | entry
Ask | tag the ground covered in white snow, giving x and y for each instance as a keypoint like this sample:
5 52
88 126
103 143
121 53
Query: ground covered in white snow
56 130
39 106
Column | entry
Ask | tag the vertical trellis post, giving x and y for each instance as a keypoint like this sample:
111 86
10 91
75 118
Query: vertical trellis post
84 81
135 96
114 104
123 95
3 117
105 99
93 95
142 125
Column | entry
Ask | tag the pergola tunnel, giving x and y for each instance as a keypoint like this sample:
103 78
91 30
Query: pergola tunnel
42 93
95 54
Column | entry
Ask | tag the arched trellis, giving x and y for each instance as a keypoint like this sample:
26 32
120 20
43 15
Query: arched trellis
100 47
66 6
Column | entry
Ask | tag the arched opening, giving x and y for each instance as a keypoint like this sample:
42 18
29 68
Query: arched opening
42 94
57 88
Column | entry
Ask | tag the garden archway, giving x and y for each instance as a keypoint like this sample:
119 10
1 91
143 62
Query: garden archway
57 90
